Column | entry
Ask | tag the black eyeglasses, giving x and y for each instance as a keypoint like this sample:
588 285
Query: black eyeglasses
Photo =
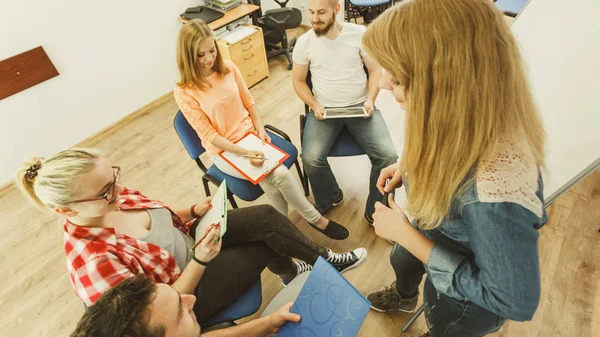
110 191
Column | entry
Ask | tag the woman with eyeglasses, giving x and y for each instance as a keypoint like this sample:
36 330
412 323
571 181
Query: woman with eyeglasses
112 232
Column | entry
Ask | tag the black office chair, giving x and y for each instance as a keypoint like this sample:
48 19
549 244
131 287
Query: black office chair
274 23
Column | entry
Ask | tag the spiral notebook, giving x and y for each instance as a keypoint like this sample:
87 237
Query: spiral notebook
328 304
274 157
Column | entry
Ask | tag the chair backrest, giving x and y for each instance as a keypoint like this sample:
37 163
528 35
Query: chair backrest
188 136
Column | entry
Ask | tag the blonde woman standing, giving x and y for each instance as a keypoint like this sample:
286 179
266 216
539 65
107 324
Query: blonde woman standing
215 100
473 152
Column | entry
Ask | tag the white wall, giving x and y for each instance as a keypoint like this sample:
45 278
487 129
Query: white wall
560 42
302 5
113 58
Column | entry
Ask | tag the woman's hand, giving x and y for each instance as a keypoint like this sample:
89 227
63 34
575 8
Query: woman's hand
210 246
391 223
258 158
393 173
264 136
201 208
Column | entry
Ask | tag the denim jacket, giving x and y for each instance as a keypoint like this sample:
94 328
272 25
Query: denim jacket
486 250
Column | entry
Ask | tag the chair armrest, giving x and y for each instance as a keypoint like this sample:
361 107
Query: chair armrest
212 179
201 165
279 132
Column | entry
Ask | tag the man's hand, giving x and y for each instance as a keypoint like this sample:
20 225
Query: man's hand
319 111
369 108
393 173
279 317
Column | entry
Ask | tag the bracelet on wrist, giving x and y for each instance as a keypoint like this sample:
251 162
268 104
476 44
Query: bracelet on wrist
200 262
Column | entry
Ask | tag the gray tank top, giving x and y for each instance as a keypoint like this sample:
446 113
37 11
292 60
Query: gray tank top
164 234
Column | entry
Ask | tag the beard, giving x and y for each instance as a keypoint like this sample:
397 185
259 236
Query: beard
325 28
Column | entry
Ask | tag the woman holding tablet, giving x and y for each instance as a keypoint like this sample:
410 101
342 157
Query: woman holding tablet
215 100
471 165
112 232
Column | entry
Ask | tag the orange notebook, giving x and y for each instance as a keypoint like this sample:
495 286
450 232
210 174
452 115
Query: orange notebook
251 141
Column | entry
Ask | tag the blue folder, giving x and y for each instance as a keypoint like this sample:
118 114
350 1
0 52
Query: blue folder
329 305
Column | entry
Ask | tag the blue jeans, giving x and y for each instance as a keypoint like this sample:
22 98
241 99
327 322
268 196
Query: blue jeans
319 136
445 316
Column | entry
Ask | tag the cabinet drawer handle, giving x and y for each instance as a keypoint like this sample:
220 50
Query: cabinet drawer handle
247 58
247 41
254 73
249 47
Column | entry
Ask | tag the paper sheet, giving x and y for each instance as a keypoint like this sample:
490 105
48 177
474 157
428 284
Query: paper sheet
217 214
238 34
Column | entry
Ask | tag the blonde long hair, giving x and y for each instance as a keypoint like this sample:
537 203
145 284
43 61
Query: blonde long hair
188 47
49 183
466 87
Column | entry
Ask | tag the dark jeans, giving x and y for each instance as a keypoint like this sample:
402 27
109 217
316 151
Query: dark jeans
445 316
372 136
256 237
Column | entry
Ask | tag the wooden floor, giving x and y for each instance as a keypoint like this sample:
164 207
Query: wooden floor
36 298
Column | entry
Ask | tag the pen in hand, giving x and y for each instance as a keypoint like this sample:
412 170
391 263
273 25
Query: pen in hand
203 237
253 157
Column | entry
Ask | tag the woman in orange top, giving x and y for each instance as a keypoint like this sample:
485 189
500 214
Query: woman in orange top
215 100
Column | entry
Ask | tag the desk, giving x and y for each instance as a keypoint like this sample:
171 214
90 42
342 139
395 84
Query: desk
230 16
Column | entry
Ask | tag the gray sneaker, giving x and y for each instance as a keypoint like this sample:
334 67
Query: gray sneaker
389 300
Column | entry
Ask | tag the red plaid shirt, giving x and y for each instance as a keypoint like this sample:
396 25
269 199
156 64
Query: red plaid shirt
100 258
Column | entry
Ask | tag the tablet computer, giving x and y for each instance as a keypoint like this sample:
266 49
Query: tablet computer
350 112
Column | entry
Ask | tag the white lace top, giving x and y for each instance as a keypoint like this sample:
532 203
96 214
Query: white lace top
509 174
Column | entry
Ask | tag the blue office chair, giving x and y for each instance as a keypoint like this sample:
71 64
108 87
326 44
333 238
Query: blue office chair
344 146
510 7
243 306
241 188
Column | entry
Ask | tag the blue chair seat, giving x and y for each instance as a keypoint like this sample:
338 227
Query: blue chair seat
244 189
369 3
243 306
345 146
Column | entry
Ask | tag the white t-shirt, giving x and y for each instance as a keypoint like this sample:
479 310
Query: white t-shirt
336 66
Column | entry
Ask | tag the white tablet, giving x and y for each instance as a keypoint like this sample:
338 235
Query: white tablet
349 112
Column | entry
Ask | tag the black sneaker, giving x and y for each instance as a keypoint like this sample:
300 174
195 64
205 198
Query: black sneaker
301 267
347 261
368 219
388 299
334 230
338 201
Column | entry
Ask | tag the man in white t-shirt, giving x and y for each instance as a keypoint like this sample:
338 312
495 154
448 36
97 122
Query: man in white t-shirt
333 53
